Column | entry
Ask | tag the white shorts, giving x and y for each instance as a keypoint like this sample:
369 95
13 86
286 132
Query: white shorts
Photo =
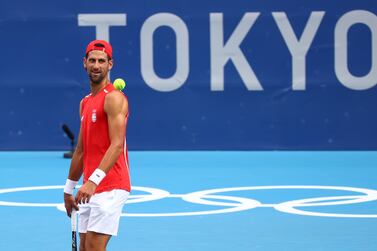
102 213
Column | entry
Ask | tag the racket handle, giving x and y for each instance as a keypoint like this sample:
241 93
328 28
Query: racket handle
74 227
74 241
74 220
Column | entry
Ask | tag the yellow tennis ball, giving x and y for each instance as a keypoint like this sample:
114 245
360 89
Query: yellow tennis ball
119 84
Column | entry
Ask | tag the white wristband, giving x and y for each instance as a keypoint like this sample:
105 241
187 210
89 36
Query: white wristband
70 186
97 176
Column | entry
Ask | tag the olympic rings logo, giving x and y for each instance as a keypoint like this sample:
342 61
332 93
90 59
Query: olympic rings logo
228 204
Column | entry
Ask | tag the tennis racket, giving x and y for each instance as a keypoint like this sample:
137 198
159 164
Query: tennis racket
74 227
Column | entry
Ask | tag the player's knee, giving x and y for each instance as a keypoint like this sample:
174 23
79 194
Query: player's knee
93 246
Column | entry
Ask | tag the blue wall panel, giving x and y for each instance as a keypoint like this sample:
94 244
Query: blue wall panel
42 78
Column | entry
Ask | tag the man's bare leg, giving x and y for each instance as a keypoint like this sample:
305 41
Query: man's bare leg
82 241
95 241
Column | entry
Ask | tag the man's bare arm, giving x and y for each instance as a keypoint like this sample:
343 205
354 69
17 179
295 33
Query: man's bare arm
75 172
116 108
76 167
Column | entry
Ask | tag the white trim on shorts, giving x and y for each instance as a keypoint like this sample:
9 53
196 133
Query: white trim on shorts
102 213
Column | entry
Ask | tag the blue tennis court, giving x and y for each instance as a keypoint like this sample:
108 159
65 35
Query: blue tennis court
205 201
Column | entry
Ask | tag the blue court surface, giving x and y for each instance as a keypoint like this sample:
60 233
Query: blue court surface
204 201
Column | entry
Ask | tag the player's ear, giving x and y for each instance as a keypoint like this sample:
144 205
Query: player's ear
110 64
84 62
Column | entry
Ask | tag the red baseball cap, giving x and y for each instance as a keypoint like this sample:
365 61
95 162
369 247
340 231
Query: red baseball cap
100 45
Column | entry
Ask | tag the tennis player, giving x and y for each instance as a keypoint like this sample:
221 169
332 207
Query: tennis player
100 155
